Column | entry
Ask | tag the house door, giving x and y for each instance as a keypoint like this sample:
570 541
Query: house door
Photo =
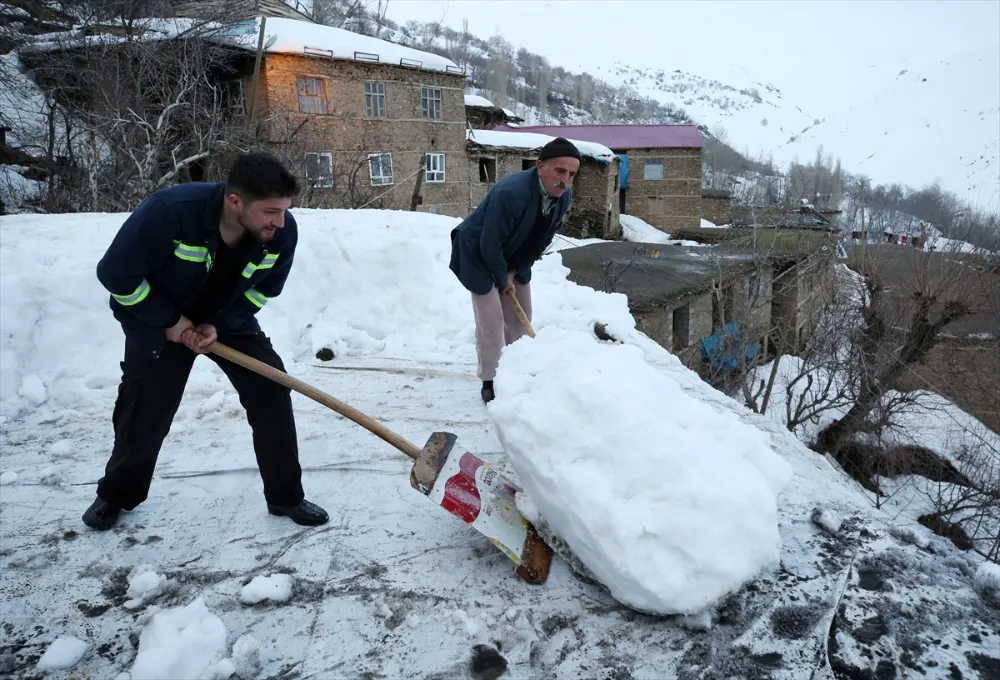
622 181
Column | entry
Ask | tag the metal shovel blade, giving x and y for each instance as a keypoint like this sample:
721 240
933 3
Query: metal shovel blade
475 492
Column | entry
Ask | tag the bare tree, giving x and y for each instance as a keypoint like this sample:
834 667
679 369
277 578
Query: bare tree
971 502
896 331
346 14
498 70
146 114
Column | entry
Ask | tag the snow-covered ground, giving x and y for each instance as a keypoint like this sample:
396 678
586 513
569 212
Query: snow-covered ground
199 581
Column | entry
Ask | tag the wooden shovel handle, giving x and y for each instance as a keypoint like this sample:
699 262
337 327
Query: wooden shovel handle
323 398
520 313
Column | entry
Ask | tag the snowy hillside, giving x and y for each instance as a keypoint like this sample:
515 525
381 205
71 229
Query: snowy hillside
923 124
200 582
753 113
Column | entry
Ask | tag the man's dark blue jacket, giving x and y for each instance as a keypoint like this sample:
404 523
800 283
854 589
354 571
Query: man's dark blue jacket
484 243
160 259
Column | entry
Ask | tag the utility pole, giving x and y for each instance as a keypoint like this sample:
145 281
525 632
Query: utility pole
256 68
864 232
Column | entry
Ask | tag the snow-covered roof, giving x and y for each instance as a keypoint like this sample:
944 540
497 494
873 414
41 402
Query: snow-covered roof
533 141
281 36
304 38
476 100
630 136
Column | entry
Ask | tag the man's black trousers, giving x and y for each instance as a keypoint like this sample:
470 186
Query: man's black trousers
148 397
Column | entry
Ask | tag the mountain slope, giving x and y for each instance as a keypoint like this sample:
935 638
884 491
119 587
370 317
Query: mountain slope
925 123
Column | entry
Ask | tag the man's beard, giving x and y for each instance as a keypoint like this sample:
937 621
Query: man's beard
253 231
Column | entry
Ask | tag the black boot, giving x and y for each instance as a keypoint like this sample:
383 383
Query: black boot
305 513
101 515
487 391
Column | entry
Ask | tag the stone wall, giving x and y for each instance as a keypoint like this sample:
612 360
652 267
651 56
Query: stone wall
484 118
681 325
800 292
593 212
671 203
716 209
349 135
659 324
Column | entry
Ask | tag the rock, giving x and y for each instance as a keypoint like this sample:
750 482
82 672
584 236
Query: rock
487 663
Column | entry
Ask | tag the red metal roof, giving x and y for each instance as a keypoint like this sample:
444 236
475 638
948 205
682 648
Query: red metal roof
617 137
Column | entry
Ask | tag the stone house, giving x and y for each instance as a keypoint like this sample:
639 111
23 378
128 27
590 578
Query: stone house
367 116
593 212
661 168
482 114
681 296
801 288
355 117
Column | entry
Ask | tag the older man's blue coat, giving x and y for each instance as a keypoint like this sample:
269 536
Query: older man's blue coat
484 242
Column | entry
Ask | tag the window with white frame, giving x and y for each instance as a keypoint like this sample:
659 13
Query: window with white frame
430 103
434 164
652 169
380 168
319 169
375 100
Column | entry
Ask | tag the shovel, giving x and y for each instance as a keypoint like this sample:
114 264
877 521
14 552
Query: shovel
520 313
455 479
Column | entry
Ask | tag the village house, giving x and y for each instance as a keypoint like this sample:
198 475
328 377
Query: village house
661 175
482 114
354 116
368 116
593 212
713 307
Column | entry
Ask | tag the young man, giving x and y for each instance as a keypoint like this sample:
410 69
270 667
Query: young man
494 248
194 263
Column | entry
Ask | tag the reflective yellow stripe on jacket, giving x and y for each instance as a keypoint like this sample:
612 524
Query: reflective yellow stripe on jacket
192 253
135 297
266 263
256 297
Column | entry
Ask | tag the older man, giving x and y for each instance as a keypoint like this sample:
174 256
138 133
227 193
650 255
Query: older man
494 248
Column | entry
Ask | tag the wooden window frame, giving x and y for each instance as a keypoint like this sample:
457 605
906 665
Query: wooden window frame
429 96
307 98
374 92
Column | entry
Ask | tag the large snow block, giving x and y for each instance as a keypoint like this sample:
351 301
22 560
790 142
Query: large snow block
670 503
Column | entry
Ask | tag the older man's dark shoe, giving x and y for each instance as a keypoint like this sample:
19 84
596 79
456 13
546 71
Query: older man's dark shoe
305 513
487 392
101 515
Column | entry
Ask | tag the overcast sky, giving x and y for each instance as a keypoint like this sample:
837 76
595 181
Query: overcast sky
811 50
